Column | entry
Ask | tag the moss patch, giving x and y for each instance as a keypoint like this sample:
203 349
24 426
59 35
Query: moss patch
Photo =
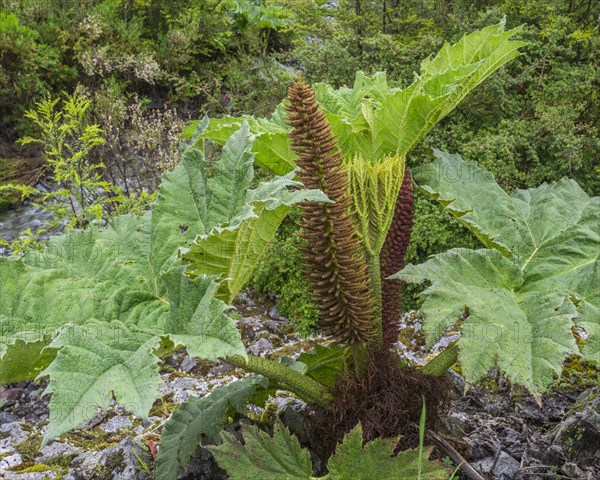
163 407
29 448
577 373
97 439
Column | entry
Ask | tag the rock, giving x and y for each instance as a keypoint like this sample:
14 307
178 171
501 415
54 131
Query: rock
188 364
484 466
85 463
6 417
172 362
124 461
260 347
458 382
220 369
46 475
458 424
184 387
273 325
572 470
242 297
10 461
284 403
56 449
11 395
116 423
505 467
202 467
553 455
579 431
117 463
582 333
252 321
11 434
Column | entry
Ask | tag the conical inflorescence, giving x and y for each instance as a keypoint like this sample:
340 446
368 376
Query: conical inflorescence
333 256
392 260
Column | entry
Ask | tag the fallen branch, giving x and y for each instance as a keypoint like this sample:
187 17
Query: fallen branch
456 457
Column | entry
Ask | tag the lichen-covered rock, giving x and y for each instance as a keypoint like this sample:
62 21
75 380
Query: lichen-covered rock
45 475
115 463
579 431
56 449
261 347
10 461
116 424
10 435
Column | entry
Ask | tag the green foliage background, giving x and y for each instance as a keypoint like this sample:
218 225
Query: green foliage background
535 120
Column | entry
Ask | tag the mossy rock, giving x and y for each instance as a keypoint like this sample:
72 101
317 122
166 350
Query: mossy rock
579 431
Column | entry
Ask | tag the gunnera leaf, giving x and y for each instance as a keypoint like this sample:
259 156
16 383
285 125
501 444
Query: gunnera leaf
234 224
279 457
324 364
373 119
69 297
198 417
111 358
354 461
524 293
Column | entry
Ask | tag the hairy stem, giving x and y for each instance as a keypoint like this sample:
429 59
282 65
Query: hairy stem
442 362
306 388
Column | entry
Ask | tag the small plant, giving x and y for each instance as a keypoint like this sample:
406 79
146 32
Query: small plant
280 457
68 138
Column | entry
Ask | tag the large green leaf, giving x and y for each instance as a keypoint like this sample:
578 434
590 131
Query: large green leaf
539 275
262 456
406 116
526 334
198 417
271 144
129 274
324 364
94 362
525 225
353 461
27 359
197 318
374 120
375 188
233 249
280 458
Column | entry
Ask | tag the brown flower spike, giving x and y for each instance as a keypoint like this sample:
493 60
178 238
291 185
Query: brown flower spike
392 260
333 256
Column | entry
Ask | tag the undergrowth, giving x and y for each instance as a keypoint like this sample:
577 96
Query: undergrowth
280 273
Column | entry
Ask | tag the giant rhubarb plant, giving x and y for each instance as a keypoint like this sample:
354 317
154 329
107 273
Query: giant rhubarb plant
376 125
93 311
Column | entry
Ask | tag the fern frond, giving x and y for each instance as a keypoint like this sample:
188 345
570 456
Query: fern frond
334 257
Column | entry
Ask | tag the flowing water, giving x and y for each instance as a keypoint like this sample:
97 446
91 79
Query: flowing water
17 219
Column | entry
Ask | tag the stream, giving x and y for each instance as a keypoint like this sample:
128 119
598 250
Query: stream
19 218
